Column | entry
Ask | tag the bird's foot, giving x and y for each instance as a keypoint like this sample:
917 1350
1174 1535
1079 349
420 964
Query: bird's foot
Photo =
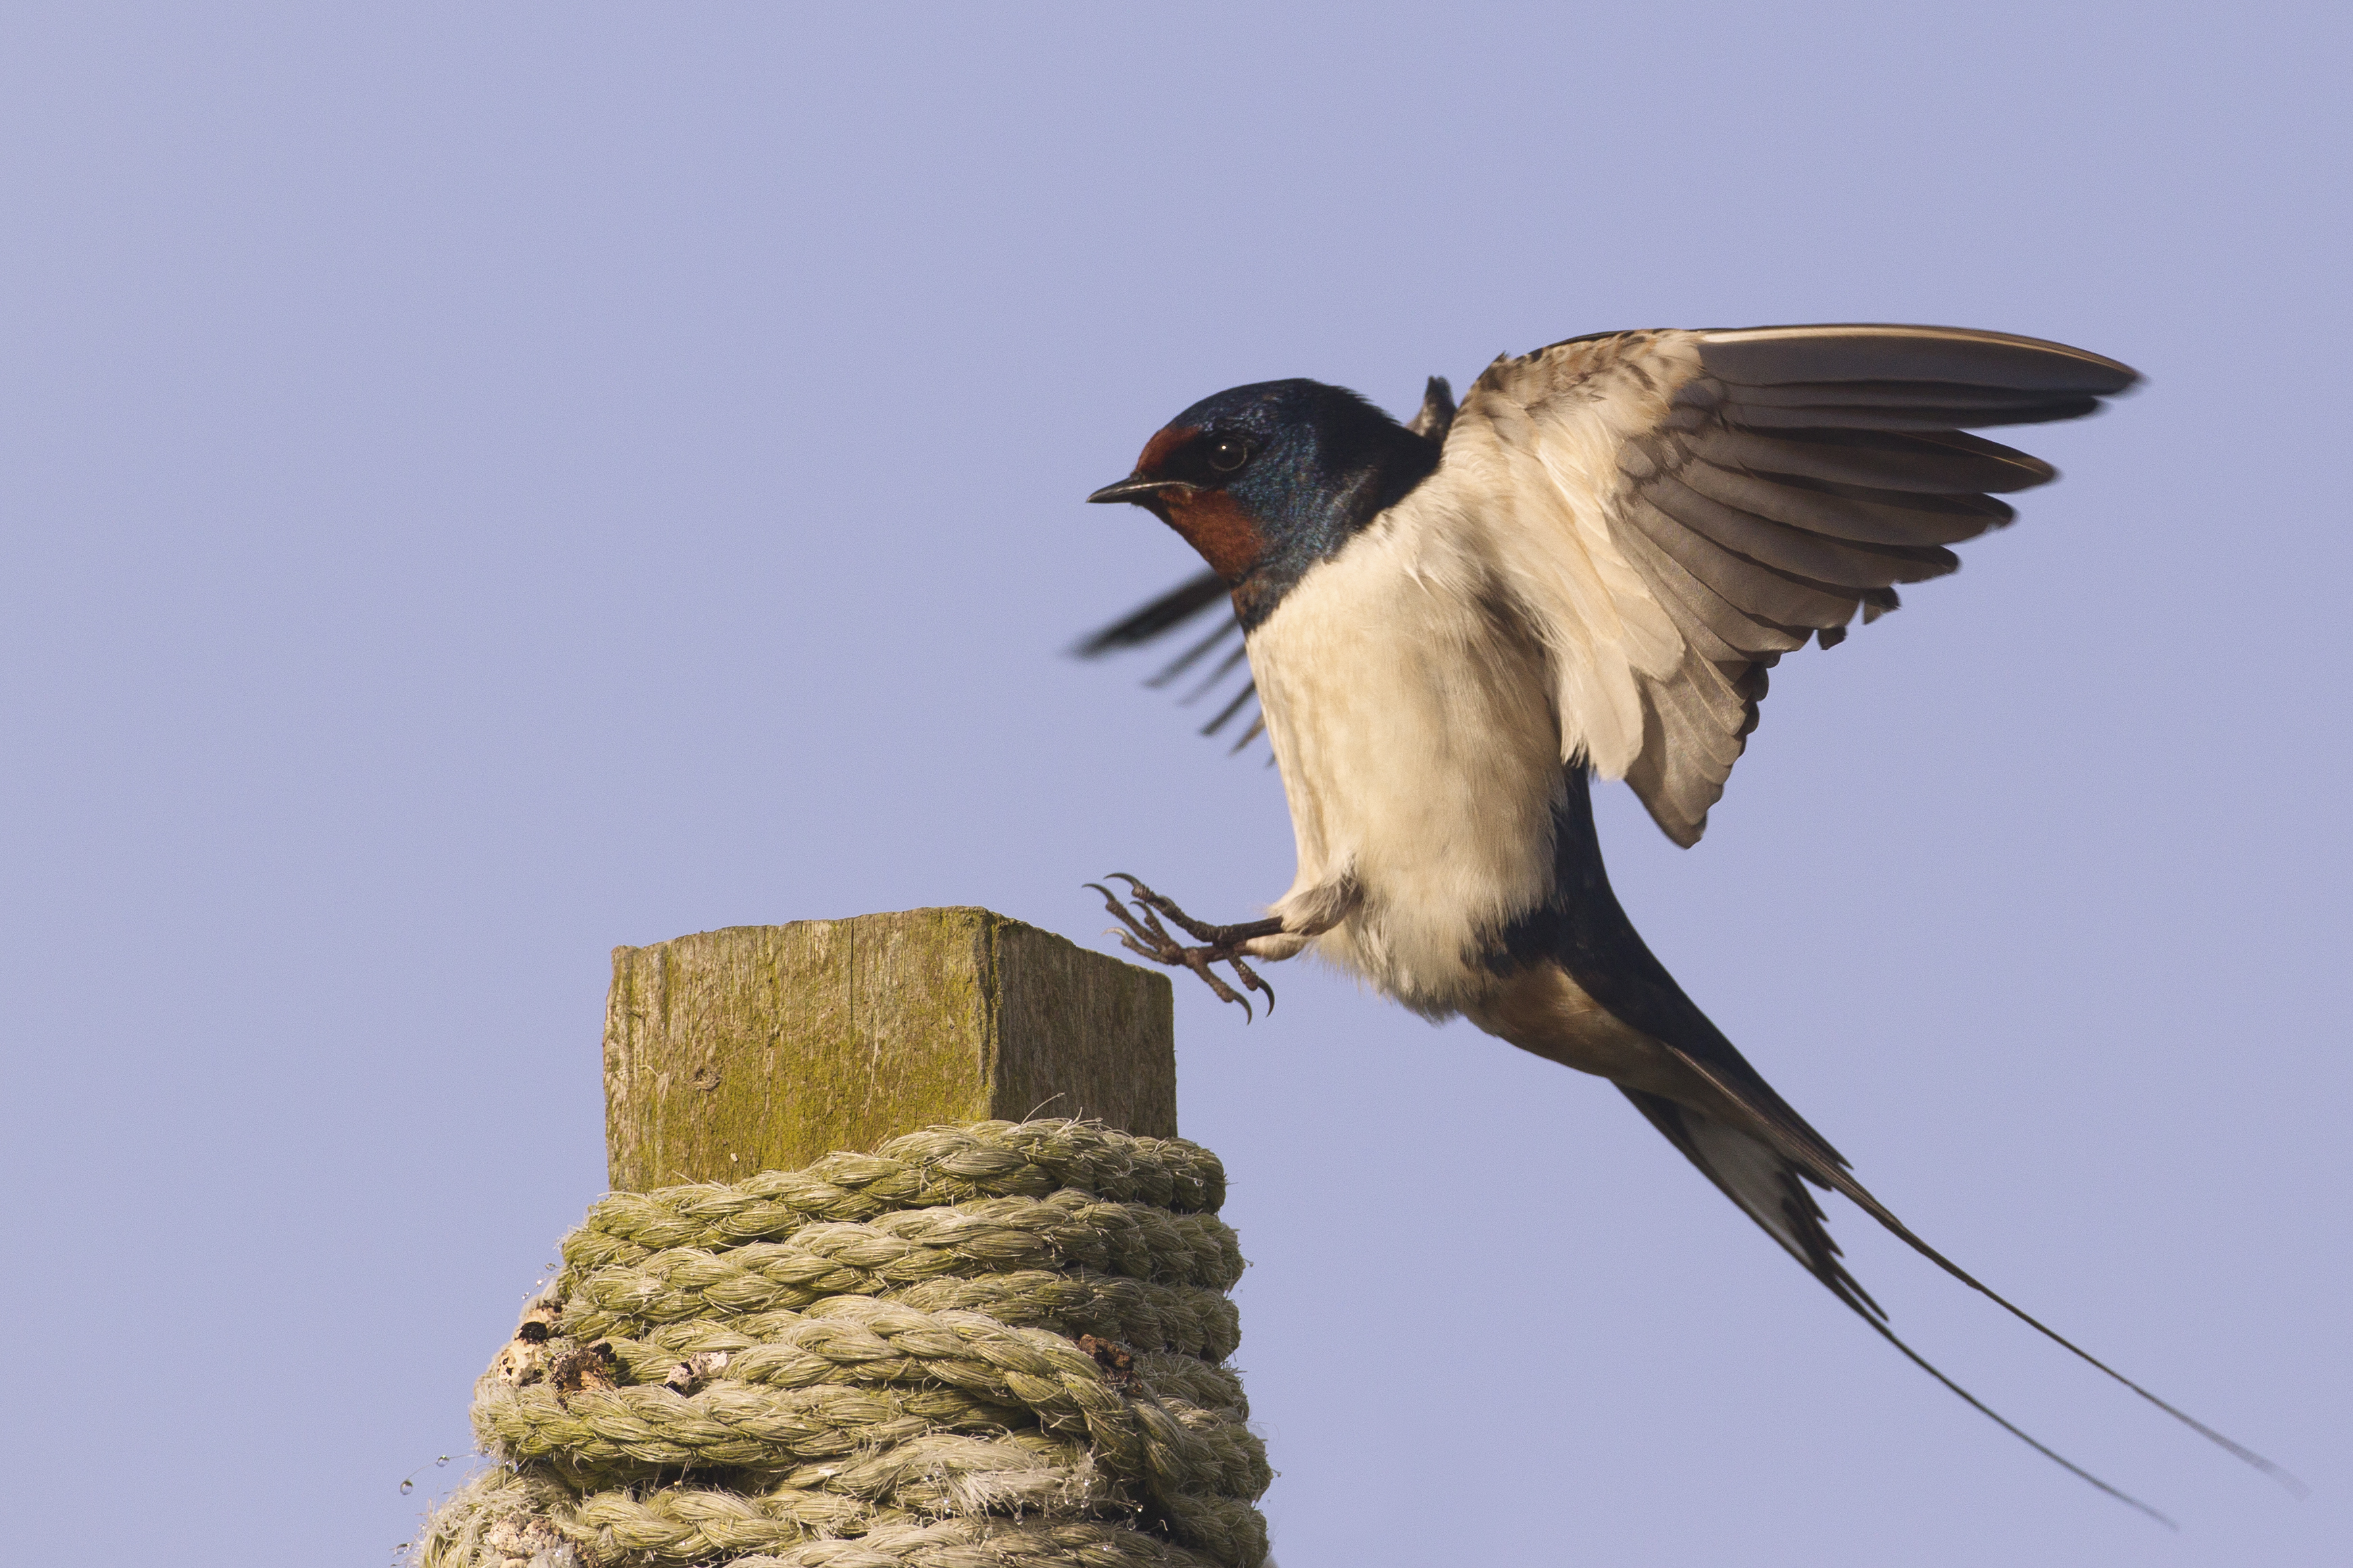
1147 938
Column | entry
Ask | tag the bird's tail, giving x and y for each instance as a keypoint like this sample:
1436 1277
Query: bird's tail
1770 1187
1719 1110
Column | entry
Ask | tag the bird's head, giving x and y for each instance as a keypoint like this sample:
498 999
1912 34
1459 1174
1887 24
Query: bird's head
1266 480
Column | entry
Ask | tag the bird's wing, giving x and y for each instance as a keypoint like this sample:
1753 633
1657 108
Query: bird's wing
1676 509
1196 597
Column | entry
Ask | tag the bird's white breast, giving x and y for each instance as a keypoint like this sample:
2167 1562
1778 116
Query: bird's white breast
1414 729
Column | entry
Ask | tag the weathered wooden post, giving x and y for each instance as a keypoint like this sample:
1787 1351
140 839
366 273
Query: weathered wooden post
990 1339
764 1048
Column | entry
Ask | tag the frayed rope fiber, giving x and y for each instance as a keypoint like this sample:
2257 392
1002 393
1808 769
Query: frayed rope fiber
999 1345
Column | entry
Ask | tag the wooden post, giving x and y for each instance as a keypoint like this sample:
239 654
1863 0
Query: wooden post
765 1047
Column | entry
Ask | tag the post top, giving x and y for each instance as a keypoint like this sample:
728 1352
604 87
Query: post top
753 1047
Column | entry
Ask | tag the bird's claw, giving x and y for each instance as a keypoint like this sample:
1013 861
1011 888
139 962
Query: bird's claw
1146 938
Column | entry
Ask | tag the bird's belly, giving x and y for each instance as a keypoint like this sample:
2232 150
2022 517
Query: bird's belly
1420 759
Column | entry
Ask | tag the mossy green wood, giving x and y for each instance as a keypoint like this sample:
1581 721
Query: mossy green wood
766 1048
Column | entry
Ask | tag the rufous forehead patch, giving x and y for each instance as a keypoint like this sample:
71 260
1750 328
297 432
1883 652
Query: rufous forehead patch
1157 451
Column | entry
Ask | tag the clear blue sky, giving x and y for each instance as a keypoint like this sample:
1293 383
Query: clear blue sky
485 483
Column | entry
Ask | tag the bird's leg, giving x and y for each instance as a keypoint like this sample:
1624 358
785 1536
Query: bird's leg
1147 938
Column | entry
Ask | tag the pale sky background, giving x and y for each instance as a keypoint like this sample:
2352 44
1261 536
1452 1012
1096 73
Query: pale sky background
484 483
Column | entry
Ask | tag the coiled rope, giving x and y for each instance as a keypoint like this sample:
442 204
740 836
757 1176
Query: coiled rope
991 1346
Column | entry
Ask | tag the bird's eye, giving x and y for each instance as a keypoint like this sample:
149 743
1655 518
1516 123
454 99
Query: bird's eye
1228 454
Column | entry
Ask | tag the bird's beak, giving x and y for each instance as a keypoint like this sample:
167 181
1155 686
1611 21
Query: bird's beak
1136 489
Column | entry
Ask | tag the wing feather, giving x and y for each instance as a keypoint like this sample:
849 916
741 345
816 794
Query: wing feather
1837 417
1907 396
1773 356
1793 550
1730 632
1854 513
1754 587
1746 487
1161 615
1947 463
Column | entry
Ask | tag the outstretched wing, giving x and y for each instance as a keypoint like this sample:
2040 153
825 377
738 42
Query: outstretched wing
1191 600
1204 597
1676 509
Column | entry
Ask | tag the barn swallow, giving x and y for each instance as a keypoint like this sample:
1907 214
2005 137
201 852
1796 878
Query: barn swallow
1454 624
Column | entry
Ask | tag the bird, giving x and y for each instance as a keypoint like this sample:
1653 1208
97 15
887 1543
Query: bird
1455 625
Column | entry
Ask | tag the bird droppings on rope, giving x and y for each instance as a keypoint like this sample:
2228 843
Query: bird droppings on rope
999 1345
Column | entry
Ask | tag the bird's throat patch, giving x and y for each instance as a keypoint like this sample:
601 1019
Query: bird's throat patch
1214 524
